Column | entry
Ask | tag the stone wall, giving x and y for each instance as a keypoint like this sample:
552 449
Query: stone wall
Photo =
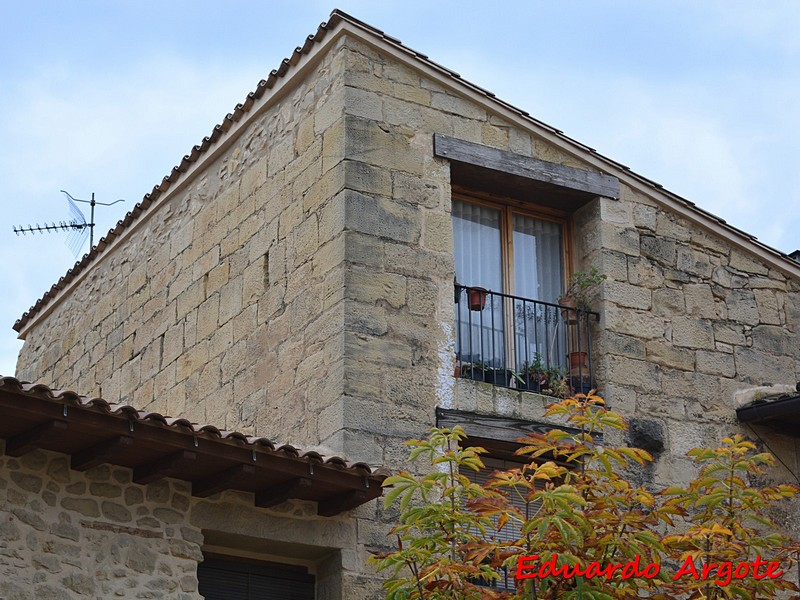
66 534
687 320
226 305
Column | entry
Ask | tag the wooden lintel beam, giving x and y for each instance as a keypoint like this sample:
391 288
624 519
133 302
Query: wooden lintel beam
535 169
221 481
100 453
275 494
341 502
166 466
30 440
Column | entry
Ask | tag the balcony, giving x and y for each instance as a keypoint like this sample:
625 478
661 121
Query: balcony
523 344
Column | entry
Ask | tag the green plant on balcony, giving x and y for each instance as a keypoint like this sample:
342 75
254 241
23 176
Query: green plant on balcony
579 285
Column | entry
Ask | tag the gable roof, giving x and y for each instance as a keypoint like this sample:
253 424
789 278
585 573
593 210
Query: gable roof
340 23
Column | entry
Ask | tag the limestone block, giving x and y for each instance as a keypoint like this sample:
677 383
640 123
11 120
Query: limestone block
730 333
496 137
305 178
421 297
328 111
668 226
742 262
362 103
775 281
645 272
644 216
456 105
661 250
305 240
643 325
667 355
208 316
767 302
333 146
381 217
370 81
624 345
255 281
417 191
366 141
230 300
418 262
775 340
366 178
519 142
253 178
619 239
371 287
366 319
699 300
465 129
363 249
692 333
359 348
742 307
173 343
709 243
640 375
624 294
438 232
716 363
669 302
616 211
756 366
693 262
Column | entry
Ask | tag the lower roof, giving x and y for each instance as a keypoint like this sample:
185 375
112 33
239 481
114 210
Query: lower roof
93 432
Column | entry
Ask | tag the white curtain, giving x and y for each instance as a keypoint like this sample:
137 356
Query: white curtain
538 275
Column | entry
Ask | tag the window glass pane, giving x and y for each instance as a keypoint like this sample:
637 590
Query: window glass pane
476 235
477 243
538 269
538 275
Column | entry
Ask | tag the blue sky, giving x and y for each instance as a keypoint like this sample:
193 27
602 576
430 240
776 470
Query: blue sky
106 97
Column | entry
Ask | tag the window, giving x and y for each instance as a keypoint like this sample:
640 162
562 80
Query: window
241 579
518 257
511 531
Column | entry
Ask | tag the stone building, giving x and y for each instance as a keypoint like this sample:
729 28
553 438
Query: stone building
292 279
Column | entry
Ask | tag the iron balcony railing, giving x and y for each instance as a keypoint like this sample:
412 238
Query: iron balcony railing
521 343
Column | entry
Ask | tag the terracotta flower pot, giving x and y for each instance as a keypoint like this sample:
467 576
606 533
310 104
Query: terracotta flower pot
477 298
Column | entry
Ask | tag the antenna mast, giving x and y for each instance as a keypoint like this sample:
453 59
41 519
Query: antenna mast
77 226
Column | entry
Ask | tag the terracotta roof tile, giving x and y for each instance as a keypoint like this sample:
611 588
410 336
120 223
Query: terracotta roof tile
25 408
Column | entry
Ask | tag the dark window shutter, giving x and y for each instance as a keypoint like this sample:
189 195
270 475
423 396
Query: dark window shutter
235 580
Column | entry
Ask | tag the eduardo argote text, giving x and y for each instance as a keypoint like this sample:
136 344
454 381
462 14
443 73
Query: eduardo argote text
529 567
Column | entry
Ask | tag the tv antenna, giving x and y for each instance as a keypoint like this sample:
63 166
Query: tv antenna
78 228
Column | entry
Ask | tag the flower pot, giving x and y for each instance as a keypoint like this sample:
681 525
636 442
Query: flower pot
577 360
476 297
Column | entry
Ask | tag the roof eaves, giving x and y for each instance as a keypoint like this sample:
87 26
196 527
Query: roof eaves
85 422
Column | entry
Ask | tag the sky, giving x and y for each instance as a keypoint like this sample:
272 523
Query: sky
105 97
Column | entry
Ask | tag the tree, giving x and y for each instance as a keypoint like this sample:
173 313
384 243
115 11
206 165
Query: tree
580 528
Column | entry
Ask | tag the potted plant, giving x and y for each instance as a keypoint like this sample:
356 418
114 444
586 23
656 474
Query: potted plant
576 295
532 374
556 384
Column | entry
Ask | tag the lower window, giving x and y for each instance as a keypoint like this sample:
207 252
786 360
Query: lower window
242 579
511 531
